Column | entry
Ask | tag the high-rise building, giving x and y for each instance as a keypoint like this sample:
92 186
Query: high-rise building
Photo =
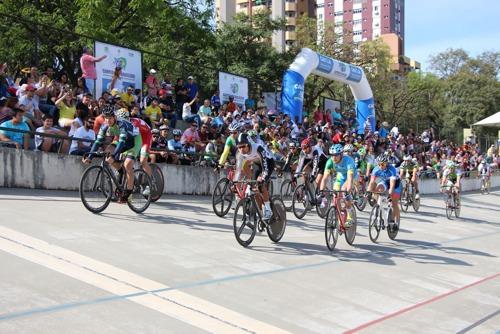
291 9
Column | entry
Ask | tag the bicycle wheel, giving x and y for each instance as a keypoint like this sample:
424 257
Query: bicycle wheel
331 228
374 223
416 201
286 192
95 189
245 222
222 197
270 188
277 224
350 233
323 211
449 206
140 198
360 200
456 202
157 182
405 199
300 202
392 228
372 201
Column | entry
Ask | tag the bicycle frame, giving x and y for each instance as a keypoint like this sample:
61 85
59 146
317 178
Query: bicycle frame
240 191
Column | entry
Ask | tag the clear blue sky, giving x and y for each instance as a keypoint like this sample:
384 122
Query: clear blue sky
433 26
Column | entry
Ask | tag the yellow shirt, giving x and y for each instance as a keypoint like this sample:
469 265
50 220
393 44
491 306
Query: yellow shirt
153 113
65 111
128 99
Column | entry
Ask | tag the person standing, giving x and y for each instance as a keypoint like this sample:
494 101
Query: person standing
87 64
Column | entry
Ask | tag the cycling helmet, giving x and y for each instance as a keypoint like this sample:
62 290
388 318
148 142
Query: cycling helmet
242 139
382 158
306 143
235 127
348 148
407 158
107 111
335 149
292 145
252 134
122 114
177 132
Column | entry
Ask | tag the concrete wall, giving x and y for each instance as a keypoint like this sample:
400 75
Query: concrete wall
37 170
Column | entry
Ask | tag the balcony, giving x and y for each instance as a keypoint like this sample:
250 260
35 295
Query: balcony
290 35
290 6
291 21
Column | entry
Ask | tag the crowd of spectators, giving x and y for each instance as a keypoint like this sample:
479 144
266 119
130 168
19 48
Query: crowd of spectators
48 103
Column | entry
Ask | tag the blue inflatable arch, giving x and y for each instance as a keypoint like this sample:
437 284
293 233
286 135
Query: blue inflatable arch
307 62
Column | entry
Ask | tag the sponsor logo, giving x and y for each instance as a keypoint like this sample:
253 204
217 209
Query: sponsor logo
121 61
234 88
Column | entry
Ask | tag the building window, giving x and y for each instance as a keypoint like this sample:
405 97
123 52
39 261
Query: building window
339 13
357 11
375 8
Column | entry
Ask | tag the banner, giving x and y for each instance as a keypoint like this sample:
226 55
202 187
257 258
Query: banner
233 85
331 105
292 96
272 101
129 60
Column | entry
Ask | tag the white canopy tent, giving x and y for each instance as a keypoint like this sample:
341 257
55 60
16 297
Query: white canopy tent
493 120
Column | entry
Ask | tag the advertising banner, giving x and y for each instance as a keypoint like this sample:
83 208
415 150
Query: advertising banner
292 96
272 100
331 105
129 60
233 85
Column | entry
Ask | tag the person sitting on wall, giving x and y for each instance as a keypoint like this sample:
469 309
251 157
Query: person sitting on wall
15 139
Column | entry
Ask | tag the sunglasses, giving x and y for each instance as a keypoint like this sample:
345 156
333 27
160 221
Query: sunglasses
337 154
241 146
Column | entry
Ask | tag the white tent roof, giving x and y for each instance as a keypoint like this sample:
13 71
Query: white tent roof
493 120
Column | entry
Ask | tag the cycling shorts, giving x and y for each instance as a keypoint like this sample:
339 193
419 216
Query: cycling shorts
146 144
257 169
133 151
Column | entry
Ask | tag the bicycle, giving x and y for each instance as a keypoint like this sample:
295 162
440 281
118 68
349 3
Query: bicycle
336 218
286 192
485 184
380 215
157 182
452 201
223 193
359 193
408 195
306 195
99 183
248 216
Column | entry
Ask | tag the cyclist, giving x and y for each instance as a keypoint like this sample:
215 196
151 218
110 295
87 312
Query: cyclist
315 155
292 158
410 166
484 169
385 177
250 152
146 138
230 146
129 144
344 167
451 176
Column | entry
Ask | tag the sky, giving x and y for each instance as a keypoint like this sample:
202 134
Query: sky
432 26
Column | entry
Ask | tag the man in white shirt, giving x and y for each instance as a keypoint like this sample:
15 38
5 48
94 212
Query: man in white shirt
50 144
84 132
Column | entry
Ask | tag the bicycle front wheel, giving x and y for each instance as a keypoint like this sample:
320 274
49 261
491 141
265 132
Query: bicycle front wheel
405 199
300 202
277 223
449 206
456 201
222 197
393 227
157 182
331 228
323 211
140 198
374 224
95 189
350 233
245 222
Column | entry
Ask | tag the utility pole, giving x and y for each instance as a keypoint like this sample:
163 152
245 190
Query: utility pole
250 4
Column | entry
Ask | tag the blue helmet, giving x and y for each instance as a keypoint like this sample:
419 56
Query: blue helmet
336 149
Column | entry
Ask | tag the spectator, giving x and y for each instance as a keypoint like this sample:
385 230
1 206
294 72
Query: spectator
50 144
219 120
29 103
80 89
336 117
205 111
152 83
384 130
153 114
261 104
67 109
318 116
180 97
6 113
215 101
192 88
167 85
45 104
231 106
169 114
84 132
188 115
191 139
16 139
160 147
128 97
81 114
87 64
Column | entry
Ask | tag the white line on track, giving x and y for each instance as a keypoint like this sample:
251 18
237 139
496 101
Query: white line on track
176 304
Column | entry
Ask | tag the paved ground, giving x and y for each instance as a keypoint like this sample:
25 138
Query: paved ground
178 269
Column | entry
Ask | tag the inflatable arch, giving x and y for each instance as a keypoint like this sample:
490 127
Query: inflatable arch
307 62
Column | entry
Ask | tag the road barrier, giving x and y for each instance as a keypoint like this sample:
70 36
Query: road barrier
39 170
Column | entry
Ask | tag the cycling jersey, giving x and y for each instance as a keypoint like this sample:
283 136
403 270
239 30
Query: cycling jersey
452 175
260 156
318 158
386 175
484 169
127 138
146 135
345 167
291 158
